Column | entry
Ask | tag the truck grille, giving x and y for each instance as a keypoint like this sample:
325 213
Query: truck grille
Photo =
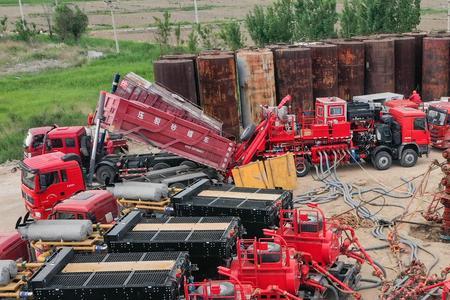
28 198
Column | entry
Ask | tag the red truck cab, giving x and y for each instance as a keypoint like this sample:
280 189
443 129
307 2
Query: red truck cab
48 179
13 247
439 124
71 139
99 206
414 127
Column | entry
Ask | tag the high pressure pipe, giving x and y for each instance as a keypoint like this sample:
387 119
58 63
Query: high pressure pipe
98 121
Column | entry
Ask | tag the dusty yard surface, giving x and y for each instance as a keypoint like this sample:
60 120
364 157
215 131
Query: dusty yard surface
391 178
12 208
134 18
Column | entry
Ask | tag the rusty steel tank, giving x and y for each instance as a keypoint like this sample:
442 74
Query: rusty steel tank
324 70
351 59
418 45
178 74
405 65
218 90
380 66
435 72
180 56
293 76
256 83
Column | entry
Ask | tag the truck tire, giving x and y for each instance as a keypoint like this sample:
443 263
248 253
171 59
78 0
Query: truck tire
409 158
382 161
105 174
303 166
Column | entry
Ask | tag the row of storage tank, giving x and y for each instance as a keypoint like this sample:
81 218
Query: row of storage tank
231 86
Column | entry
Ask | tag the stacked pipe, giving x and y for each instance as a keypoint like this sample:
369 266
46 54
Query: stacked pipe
445 198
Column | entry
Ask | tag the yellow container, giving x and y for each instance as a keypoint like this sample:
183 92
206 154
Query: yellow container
277 172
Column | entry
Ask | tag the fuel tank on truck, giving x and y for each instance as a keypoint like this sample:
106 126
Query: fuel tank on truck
56 230
145 191
256 83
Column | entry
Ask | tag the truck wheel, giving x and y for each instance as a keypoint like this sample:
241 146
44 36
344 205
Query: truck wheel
409 158
382 161
160 166
105 174
303 166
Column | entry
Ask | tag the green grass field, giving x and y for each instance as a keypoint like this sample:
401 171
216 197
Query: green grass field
64 96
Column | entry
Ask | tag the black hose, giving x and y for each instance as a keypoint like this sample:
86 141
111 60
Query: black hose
333 289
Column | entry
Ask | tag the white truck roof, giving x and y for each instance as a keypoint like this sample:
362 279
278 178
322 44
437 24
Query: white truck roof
377 100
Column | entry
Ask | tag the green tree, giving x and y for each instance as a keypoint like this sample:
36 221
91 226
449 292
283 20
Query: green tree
206 35
315 19
274 24
379 16
3 25
193 41
25 31
348 20
163 29
70 22
231 35
177 32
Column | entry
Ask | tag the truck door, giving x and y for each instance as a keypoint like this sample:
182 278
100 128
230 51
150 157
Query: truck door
52 189
420 135
54 145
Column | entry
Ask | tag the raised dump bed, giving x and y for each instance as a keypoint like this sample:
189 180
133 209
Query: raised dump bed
257 208
210 241
134 87
167 132
69 275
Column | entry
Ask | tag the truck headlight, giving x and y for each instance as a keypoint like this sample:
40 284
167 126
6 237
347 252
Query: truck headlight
37 215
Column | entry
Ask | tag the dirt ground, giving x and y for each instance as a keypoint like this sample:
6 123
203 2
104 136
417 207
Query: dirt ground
134 18
12 208
391 178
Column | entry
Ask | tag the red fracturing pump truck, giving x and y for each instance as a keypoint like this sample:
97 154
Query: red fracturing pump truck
299 261
339 132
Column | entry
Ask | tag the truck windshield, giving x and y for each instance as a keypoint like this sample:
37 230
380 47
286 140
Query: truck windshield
436 117
28 179
65 216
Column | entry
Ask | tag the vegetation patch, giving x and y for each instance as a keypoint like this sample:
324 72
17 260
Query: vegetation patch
65 96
